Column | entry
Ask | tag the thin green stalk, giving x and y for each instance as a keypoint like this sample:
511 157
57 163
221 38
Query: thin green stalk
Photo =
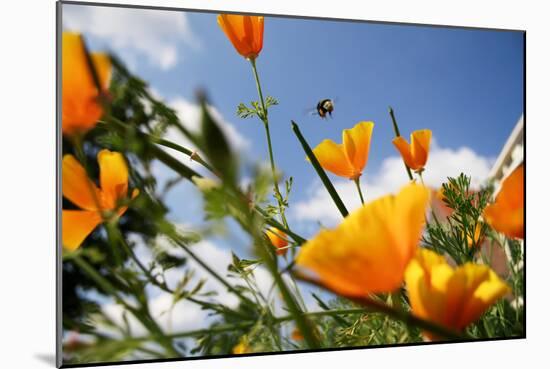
265 121
320 172
161 155
397 134
359 190
192 154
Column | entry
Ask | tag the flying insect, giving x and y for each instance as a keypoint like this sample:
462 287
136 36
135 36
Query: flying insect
324 107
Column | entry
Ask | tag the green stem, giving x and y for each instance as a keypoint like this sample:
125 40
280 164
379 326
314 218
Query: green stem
265 121
359 190
397 134
192 154
320 172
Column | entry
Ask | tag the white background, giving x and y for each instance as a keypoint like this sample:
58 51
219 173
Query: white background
27 181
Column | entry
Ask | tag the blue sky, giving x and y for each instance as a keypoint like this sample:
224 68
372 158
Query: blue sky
465 85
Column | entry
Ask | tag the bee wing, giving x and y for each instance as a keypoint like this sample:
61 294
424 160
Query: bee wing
311 112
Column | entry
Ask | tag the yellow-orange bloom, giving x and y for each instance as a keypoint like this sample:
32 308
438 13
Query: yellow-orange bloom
349 158
278 239
95 202
506 214
415 154
242 348
453 298
81 107
245 32
369 251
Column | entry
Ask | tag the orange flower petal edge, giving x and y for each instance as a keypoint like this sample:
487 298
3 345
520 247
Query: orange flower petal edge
369 251
506 214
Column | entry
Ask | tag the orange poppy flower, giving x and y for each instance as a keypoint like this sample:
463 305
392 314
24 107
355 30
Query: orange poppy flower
278 239
453 298
81 107
349 158
415 155
245 32
95 203
506 213
369 251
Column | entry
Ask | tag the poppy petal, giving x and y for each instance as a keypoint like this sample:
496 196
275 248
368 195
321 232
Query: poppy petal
331 156
113 177
77 225
357 143
405 150
507 212
77 187
420 146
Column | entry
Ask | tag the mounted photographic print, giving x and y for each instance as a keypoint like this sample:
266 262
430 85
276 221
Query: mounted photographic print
241 184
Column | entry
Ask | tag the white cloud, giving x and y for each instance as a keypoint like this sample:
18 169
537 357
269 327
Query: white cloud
442 163
134 32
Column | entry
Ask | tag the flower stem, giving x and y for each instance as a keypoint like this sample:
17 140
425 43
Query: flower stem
320 172
263 117
397 134
356 180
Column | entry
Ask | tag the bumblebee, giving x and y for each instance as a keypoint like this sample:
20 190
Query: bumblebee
324 107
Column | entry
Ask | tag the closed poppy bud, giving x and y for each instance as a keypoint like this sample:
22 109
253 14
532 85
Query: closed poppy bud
349 158
453 298
296 335
477 237
415 154
94 202
242 347
245 32
506 214
81 106
278 240
369 251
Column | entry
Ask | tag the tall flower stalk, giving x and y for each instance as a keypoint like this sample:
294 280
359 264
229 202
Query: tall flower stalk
265 120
